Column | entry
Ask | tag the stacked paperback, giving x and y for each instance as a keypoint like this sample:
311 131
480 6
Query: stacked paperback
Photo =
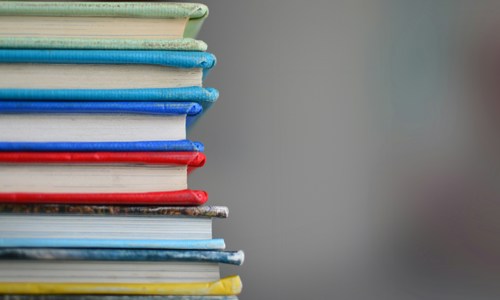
95 102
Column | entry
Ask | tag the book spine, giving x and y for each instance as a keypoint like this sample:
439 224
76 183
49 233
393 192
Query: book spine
104 9
191 159
161 108
117 210
184 94
183 197
226 257
186 44
178 59
225 287
170 146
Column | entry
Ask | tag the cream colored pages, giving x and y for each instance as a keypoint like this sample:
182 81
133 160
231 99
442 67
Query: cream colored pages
92 27
89 76
91 178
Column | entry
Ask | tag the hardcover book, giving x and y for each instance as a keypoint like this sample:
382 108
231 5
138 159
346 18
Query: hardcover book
224 287
94 75
105 226
101 25
95 122
99 177
113 265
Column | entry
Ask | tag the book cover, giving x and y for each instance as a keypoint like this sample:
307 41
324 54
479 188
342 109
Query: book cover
224 257
191 109
177 59
143 146
114 210
195 13
191 159
182 197
224 287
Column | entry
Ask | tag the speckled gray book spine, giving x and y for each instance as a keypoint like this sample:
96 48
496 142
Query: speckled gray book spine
55 209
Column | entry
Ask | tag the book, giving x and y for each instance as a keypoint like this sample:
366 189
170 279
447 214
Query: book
101 25
113 265
223 287
206 97
95 121
50 223
96 69
94 75
99 177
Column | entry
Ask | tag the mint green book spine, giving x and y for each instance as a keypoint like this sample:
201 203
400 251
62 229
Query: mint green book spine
196 13
187 44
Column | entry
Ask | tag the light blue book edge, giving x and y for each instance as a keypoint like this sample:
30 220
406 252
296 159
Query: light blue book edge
213 244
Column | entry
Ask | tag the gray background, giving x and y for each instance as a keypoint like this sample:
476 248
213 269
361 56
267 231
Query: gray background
288 143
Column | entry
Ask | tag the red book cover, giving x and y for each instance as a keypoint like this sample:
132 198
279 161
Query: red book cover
181 197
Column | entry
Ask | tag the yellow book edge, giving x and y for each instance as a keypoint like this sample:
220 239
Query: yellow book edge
225 287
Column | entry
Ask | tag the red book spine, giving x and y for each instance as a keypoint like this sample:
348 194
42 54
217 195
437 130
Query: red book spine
182 197
191 159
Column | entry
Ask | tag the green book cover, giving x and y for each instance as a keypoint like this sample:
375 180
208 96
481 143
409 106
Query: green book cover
194 13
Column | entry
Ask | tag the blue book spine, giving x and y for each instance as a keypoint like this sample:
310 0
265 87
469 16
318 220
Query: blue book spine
213 244
171 146
59 107
178 59
206 97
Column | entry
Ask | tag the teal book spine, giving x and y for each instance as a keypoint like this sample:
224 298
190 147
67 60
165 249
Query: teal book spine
223 257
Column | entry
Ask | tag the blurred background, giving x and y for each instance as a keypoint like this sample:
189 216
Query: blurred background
354 143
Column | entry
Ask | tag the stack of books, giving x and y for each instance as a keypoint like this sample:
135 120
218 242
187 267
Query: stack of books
95 102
